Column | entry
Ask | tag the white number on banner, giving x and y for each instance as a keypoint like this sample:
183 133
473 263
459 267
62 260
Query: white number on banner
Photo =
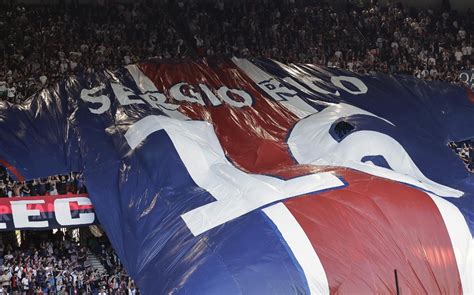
235 191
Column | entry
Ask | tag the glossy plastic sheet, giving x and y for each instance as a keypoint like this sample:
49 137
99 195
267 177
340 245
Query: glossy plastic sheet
240 177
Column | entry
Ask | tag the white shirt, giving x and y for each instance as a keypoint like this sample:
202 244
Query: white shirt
3 86
72 64
43 79
350 65
25 283
53 192
467 50
11 92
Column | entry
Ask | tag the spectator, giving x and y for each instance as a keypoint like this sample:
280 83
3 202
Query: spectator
44 269
72 183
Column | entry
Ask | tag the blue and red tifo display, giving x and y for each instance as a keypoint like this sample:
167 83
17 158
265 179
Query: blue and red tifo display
256 177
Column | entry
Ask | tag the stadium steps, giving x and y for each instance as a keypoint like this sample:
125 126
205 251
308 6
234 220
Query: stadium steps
93 261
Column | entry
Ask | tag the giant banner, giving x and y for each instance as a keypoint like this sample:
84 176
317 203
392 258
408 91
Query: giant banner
256 177
45 212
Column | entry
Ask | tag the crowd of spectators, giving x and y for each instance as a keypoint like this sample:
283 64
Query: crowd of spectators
392 39
465 150
60 266
41 44
50 186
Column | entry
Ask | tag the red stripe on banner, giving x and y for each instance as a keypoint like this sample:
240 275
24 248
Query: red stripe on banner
12 170
362 232
46 206
470 94
258 130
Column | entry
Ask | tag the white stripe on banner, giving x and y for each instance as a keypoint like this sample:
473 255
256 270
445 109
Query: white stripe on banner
236 192
461 238
301 247
151 94
287 97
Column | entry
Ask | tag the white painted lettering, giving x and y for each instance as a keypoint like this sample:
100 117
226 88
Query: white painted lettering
21 214
63 211
89 95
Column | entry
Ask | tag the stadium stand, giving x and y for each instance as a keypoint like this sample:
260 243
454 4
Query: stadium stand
43 44
59 264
